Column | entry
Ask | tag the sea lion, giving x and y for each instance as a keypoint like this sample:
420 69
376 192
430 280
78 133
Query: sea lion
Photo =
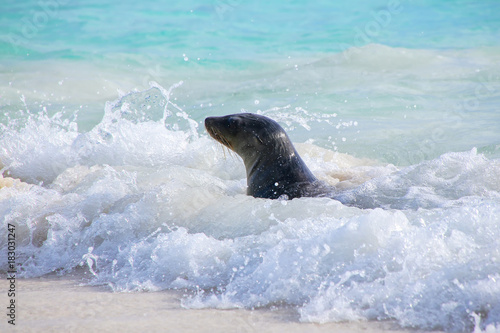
273 166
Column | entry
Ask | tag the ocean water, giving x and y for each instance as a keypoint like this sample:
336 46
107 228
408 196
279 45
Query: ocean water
106 165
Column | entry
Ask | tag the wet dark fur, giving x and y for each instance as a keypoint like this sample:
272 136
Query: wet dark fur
274 168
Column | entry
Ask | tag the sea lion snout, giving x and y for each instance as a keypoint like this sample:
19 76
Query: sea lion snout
215 127
210 122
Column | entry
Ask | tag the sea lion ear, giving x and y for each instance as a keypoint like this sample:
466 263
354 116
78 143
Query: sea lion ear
258 138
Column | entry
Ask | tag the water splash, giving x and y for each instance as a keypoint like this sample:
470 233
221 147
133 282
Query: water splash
145 204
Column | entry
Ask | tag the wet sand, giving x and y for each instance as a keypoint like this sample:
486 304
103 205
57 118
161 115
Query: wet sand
62 304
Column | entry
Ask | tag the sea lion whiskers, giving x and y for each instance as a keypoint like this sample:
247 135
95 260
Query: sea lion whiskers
229 151
224 143
217 135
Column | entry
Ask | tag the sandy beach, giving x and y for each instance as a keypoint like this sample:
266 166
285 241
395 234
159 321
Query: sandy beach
63 304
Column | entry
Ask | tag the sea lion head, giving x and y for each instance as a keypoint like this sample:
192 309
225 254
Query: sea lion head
247 134
274 168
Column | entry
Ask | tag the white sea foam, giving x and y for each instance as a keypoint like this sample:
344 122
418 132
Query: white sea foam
149 202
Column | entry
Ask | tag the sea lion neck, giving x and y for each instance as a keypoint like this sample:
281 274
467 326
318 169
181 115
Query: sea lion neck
272 176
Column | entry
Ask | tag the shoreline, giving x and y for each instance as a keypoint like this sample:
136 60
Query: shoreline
56 304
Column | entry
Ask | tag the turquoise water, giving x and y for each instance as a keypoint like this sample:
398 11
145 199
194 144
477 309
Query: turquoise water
234 30
231 55
106 164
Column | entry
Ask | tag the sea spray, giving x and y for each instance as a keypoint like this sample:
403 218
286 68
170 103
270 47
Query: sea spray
144 204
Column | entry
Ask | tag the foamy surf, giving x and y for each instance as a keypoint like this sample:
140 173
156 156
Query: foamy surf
146 201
